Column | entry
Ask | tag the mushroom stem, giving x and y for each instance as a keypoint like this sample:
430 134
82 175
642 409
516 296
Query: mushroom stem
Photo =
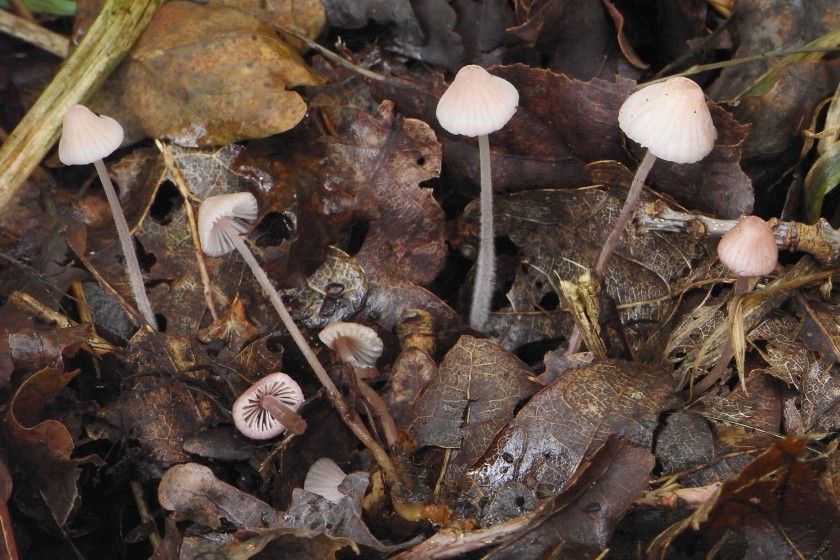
135 277
292 421
627 211
485 272
742 286
350 418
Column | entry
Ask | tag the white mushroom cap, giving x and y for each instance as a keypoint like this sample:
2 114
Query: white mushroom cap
214 241
251 417
476 102
749 248
671 120
86 137
354 343
323 479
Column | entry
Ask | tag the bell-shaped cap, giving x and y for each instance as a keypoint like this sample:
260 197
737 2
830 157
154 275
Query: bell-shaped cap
671 119
354 343
252 418
323 479
476 102
87 137
215 241
749 248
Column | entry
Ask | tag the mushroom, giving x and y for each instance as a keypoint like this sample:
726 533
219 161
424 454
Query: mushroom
359 346
268 408
476 104
87 138
354 344
323 478
748 250
219 231
672 121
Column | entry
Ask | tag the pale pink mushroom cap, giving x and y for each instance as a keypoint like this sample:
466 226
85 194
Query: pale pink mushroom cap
360 345
323 479
671 119
749 248
214 241
476 102
87 137
249 415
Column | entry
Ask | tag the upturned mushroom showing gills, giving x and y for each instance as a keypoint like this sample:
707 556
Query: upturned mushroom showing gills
476 104
354 344
88 138
268 408
672 121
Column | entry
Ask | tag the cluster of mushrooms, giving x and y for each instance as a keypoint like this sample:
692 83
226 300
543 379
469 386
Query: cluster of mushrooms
670 119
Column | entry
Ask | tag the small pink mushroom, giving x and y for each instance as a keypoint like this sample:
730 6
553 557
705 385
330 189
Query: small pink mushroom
269 407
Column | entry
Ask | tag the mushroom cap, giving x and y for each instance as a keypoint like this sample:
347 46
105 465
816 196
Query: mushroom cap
249 415
323 479
671 119
361 345
214 241
476 102
749 248
87 137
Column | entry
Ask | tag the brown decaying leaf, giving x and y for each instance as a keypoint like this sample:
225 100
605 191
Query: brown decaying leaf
43 448
559 233
582 519
565 423
8 546
383 161
205 75
777 506
477 387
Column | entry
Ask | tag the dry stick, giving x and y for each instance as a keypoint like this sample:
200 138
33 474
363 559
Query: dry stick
178 179
108 39
350 417
33 34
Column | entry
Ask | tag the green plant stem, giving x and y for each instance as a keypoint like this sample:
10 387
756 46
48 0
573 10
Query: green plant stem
107 41
485 268
135 276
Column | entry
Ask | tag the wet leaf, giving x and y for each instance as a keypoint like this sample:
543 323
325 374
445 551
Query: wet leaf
477 387
564 424
205 75
582 519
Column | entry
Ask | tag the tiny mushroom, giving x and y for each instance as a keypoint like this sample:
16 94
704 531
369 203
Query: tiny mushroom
476 104
220 231
268 408
748 250
354 344
323 478
88 138
670 119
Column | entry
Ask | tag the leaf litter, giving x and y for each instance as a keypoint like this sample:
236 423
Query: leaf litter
120 438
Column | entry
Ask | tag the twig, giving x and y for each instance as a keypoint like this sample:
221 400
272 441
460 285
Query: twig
33 34
819 240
